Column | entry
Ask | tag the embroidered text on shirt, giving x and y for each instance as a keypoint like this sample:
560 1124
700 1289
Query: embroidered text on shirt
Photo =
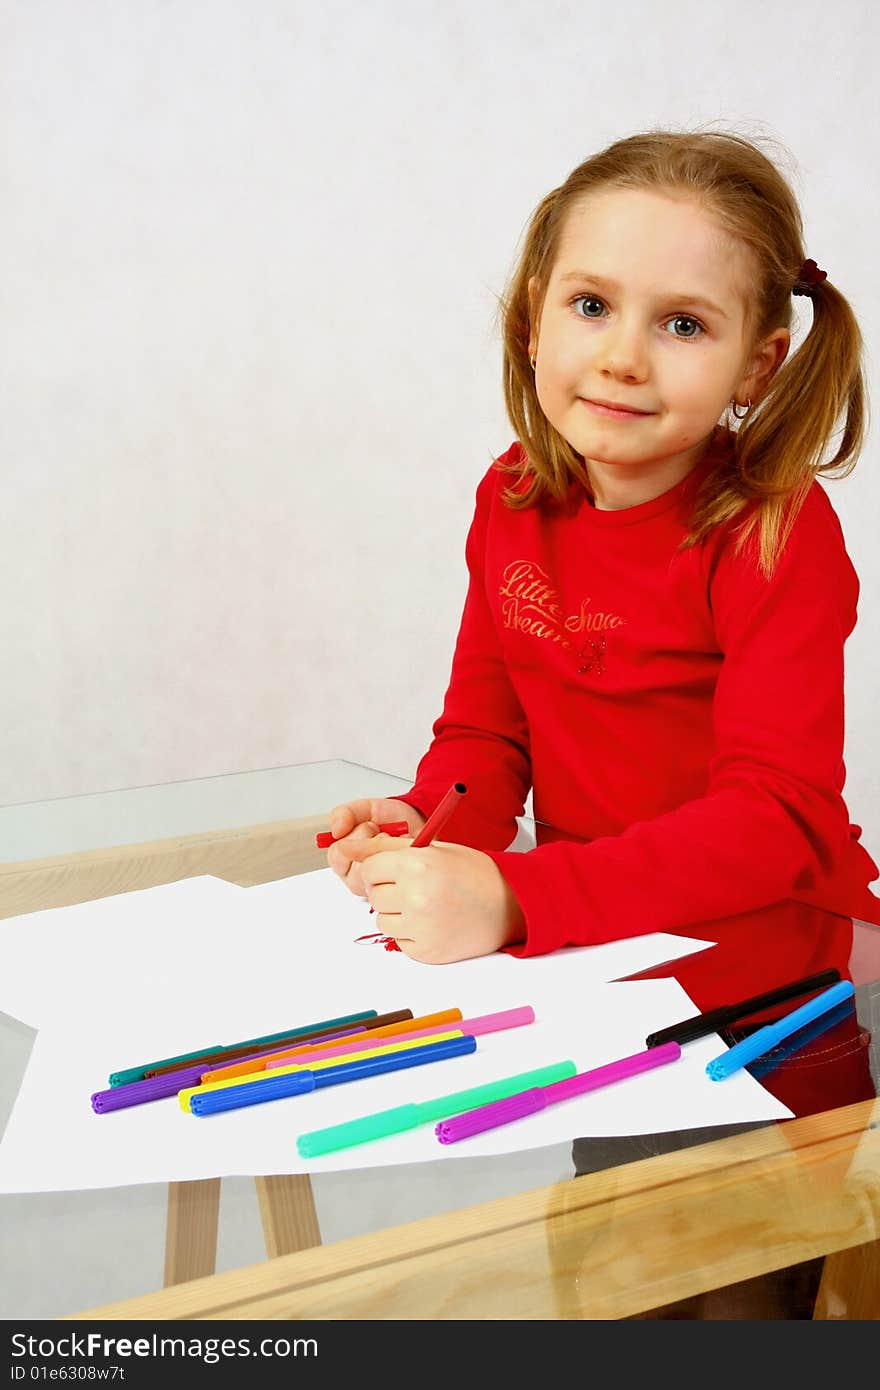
530 604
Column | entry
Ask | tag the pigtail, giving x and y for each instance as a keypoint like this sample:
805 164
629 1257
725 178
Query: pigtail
782 445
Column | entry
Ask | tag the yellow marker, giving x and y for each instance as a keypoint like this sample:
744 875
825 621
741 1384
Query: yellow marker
185 1095
388 1030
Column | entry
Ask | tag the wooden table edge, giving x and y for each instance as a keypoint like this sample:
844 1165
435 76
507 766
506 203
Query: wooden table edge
387 1270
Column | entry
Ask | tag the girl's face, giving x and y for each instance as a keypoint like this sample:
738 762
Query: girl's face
644 309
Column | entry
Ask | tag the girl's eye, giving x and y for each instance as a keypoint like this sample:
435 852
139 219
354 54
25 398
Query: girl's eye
693 328
586 299
684 325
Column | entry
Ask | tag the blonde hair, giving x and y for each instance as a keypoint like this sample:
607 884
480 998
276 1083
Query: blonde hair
777 451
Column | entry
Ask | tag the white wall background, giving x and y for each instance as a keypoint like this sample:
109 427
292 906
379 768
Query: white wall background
250 366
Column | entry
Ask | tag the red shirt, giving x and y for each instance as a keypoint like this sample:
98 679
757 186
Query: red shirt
678 717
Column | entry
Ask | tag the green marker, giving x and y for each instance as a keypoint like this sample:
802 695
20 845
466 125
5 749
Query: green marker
402 1117
121 1078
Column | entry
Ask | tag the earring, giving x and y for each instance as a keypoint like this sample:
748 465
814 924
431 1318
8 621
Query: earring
532 361
745 412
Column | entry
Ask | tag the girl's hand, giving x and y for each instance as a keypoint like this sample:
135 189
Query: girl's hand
442 903
355 821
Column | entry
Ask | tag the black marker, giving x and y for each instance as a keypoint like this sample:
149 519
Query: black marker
717 1019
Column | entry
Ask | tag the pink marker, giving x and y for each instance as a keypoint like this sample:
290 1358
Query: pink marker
486 1023
502 1112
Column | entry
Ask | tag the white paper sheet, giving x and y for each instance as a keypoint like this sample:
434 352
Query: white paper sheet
202 962
56 960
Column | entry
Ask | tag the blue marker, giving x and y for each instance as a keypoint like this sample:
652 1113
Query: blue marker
799 1040
299 1082
761 1042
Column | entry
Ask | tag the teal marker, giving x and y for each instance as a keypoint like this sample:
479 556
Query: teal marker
122 1078
326 1023
403 1117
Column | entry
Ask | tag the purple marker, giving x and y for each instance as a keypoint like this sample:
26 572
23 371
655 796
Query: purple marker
169 1083
501 1112
151 1088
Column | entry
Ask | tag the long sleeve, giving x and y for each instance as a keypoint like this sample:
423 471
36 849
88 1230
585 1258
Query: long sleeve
771 822
482 737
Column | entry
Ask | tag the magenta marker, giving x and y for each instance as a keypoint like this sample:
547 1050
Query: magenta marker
502 1112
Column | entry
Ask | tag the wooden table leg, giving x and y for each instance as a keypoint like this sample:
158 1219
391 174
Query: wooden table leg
850 1287
191 1230
287 1211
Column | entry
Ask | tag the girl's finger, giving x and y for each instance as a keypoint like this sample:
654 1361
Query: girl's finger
340 855
361 849
343 819
384 897
391 924
354 881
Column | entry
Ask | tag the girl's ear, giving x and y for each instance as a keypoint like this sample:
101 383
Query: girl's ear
765 363
534 292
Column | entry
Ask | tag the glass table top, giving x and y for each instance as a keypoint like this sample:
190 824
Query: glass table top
135 815
65 1252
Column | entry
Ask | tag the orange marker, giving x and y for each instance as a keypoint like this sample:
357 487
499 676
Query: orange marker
388 1030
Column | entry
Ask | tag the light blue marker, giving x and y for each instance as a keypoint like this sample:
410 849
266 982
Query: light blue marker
750 1049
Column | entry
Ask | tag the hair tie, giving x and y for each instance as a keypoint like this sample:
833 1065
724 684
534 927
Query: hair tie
808 276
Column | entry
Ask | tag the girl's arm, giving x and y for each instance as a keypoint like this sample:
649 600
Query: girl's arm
772 823
481 738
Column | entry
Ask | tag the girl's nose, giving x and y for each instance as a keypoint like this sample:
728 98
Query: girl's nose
623 352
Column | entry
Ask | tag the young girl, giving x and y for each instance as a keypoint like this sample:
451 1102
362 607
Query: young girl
659 596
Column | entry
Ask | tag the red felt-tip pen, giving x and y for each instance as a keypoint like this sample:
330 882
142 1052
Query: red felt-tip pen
439 816
325 838
430 830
